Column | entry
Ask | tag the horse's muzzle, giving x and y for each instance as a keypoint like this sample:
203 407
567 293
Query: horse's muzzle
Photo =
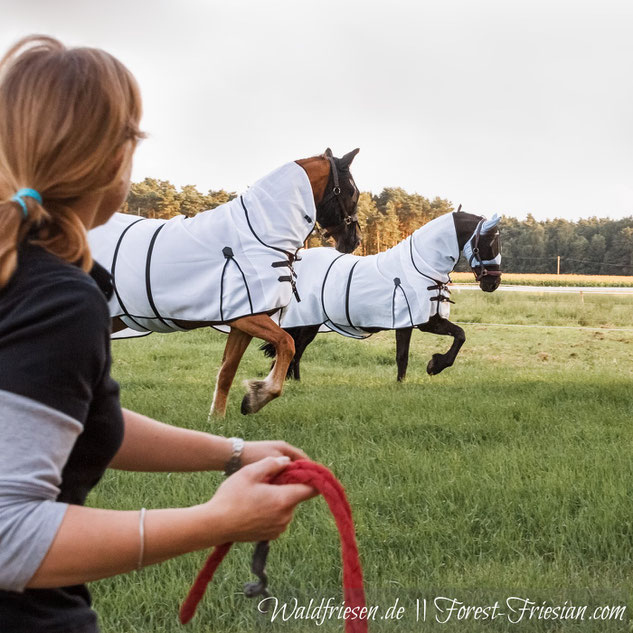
489 283
348 241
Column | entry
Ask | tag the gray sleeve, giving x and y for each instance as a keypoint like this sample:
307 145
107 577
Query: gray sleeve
35 442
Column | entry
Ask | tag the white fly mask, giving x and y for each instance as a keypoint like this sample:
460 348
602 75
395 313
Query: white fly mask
472 247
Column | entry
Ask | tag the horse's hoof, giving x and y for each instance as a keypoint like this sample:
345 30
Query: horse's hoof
432 368
253 401
246 405
436 365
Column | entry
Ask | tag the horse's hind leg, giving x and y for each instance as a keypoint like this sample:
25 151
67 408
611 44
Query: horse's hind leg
403 340
261 392
438 325
234 349
302 337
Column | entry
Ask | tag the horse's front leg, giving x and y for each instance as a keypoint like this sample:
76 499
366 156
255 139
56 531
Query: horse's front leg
261 392
234 349
443 327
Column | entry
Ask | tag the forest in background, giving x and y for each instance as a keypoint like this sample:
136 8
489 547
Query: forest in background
592 246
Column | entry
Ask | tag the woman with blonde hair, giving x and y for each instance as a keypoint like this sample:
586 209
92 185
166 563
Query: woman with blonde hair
69 124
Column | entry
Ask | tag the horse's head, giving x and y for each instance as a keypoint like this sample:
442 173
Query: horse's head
336 198
479 240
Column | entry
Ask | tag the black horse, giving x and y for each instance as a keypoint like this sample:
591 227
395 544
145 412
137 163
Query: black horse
326 285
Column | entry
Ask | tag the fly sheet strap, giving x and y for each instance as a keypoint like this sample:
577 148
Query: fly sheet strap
292 257
442 287
319 477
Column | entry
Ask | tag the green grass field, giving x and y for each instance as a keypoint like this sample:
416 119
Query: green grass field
507 475
544 279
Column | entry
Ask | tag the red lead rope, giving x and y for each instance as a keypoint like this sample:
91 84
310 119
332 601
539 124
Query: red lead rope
319 477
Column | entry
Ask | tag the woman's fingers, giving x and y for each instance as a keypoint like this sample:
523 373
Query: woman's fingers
296 493
264 469
254 451
292 451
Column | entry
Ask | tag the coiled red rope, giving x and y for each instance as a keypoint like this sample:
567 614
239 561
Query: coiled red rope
319 477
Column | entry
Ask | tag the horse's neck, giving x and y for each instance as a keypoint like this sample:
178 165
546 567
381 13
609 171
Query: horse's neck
317 169
465 225
435 244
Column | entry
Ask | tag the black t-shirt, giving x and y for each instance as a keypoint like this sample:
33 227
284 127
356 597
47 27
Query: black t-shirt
55 350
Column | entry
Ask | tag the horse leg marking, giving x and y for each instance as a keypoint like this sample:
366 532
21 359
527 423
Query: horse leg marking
261 392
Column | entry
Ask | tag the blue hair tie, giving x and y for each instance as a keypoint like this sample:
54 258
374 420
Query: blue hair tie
26 193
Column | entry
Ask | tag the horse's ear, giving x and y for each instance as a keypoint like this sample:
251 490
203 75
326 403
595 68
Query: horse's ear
328 153
490 224
346 161
459 208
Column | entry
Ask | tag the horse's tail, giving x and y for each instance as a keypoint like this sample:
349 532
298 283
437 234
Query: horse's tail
268 349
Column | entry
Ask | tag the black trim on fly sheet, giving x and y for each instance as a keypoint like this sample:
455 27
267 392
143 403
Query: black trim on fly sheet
327 272
328 321
112 269
415 266
440 286
339 330
291 256
148 283
347 291
398 284
288 254
227 251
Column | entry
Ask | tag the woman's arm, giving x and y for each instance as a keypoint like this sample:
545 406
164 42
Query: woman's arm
152 446
92 543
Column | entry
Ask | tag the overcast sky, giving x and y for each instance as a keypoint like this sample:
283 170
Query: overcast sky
502 106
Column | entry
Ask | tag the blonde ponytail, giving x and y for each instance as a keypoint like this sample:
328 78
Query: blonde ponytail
64 116
10 225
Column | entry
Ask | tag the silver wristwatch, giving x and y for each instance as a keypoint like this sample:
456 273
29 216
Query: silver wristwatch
235 461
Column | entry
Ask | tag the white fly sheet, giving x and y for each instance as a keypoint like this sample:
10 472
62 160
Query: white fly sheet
398 288
222 264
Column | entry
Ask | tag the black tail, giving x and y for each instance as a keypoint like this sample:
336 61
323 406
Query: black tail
297 334
268 349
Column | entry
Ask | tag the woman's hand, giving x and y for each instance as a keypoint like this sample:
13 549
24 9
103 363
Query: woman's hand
254 451
247 508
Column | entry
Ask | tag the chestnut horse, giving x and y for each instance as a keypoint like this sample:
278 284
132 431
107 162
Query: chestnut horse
148 297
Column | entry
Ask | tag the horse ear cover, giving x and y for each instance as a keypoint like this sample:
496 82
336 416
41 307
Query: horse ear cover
491 224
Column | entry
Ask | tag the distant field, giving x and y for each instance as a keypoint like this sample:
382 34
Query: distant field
540 309
507 475
616 281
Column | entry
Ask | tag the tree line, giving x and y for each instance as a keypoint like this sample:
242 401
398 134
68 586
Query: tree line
596 246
